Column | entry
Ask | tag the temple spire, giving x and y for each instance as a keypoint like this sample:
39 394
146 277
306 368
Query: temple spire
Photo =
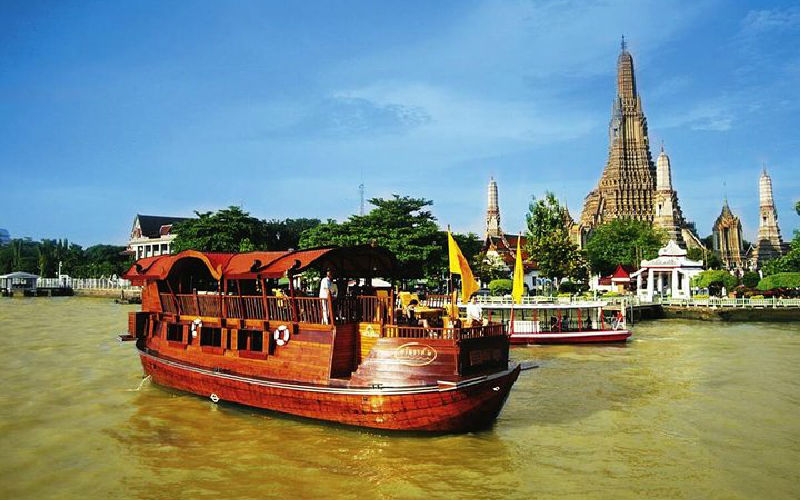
622 44
492 211
626 82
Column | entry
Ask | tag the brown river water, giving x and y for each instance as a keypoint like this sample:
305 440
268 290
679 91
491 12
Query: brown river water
687 409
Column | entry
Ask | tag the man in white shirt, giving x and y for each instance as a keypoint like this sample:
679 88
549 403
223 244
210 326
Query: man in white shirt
327 288
474 312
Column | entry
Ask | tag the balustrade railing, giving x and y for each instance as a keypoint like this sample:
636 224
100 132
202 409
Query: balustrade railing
375 309
86 283
280 309
313 310
437 300
419 332
728 302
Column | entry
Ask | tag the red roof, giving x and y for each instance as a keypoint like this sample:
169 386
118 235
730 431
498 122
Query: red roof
354 261
506 248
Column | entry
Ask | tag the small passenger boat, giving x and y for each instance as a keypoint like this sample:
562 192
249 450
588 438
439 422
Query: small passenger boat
555 323
211 324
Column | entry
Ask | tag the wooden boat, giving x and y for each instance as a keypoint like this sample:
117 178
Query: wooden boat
554 323
211 325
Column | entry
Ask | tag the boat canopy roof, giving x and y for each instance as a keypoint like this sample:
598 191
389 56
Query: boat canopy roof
19 275
357 261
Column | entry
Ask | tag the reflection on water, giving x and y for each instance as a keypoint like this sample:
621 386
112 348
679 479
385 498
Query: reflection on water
685 410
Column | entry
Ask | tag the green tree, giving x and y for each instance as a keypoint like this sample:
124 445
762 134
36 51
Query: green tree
221 231
548 241
787 263
556 256
500 287
623 241
750 279
545 216
715 279
780 280
43 257
488 268
102 261
285 234
401 224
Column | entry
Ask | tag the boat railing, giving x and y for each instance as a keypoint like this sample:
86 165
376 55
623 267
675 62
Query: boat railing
244 306
450 333
312 310
437 300
279 308
375 309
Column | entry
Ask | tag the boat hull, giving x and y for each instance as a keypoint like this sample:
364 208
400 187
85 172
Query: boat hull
593 337
469 405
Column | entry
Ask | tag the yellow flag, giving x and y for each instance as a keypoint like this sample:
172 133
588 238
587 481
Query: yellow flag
459 265
519 284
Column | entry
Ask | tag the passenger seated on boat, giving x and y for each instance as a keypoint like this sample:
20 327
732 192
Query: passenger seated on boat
475 313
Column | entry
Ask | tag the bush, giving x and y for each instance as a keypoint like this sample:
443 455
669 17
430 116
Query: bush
500 287
756 296
700 296
780 280
612 294
569 287
750 279
719 278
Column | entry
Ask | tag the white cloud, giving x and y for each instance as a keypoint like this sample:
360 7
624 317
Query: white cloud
713 115
770 20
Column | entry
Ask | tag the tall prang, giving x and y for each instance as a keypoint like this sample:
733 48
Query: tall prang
769 244
492 211
667 211
630 186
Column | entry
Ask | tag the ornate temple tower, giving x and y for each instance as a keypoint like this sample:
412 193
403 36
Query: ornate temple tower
493 211
667 211
627 185
727 238
770 244
631 186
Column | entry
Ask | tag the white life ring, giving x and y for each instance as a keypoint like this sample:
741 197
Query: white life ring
281 335
197 324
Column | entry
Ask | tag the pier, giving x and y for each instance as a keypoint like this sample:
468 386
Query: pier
707 309
86 287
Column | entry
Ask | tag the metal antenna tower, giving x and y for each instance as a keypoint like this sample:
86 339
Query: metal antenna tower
361 194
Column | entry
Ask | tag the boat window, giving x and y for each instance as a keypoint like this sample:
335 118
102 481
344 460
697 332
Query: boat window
251 340
156 328
175 332
211 337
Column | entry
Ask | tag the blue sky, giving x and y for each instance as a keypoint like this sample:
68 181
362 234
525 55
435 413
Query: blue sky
108 109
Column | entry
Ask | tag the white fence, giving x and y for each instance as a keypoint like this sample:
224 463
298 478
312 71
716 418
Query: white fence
720 302
632 300
86 283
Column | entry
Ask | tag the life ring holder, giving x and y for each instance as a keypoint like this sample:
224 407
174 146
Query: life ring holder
282 335
197 324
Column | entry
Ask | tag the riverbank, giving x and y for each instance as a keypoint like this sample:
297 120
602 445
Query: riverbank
111 293
731 314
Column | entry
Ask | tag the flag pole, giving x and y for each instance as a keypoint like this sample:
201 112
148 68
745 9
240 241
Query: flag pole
450 280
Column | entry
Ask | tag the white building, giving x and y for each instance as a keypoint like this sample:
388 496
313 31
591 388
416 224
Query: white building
668 275
151 235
